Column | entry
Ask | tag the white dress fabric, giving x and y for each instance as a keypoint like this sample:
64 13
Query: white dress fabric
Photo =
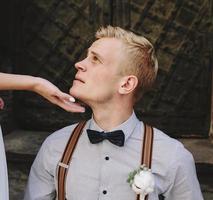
4 192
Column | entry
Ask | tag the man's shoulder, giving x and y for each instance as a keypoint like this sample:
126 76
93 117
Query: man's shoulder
58 139
163 139
170 150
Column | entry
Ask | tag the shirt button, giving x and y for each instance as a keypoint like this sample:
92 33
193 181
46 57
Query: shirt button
104 191
107 158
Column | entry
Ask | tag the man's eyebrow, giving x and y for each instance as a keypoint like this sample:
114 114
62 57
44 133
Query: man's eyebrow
96 54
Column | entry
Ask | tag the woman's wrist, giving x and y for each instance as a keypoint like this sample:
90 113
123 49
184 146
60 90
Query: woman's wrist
36 84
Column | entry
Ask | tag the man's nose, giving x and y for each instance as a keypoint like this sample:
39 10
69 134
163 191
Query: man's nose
80 66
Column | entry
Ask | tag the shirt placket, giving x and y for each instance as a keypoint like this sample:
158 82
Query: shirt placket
104 190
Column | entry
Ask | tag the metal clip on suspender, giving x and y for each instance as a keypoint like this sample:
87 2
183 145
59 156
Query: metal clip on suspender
65 160
146 157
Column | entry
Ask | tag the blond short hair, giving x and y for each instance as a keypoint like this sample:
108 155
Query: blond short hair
142 61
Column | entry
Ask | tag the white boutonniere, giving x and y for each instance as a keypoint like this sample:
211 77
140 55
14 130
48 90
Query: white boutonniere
142 181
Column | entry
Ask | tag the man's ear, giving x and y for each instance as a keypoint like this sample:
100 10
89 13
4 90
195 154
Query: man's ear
128 84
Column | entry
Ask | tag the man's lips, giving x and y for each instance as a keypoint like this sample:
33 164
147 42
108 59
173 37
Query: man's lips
79 79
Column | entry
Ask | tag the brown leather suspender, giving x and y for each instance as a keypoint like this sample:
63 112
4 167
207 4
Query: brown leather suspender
146 153
65 160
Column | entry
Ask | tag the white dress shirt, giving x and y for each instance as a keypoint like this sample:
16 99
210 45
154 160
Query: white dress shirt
4 194
100 171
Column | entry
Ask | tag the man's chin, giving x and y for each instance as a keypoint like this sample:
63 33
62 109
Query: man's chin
81 101
74 93
77 96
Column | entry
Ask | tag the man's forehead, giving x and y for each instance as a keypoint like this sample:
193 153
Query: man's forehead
106 43
110 50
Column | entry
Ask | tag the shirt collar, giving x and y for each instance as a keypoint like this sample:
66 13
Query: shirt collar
127 127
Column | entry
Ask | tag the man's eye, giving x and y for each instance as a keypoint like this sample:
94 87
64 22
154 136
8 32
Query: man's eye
95 59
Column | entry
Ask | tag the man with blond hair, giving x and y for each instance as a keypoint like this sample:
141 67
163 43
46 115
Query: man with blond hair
119 67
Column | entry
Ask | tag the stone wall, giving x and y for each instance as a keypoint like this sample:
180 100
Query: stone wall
50 36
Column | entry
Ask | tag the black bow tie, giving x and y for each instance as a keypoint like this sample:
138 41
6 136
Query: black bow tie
115 137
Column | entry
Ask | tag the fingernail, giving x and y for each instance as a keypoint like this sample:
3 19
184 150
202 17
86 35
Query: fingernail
72 99
83 110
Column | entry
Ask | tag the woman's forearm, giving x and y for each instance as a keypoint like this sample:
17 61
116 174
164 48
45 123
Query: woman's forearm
18 82
42 87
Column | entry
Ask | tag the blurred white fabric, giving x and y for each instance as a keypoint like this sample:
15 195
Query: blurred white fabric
4 192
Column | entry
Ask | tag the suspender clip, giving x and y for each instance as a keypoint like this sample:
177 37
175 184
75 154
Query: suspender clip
63 165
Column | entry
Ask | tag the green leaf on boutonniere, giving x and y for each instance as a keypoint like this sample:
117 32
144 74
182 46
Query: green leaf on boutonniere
133 173
131 177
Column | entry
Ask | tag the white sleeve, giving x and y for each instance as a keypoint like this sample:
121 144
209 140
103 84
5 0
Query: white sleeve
4 194
40 184
184 183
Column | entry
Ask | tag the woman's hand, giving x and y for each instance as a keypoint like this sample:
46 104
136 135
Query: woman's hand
1 103
56 96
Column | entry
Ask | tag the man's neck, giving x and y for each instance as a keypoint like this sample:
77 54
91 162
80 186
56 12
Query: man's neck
108 117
